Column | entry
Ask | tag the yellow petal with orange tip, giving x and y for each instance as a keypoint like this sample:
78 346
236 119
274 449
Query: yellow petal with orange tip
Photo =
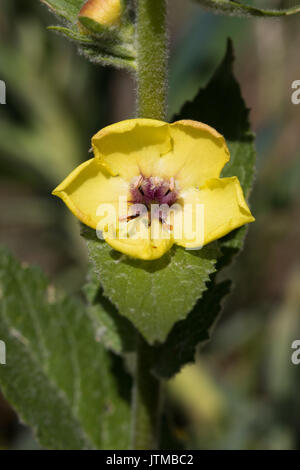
89 188
132 147
198 153
105 12
224 209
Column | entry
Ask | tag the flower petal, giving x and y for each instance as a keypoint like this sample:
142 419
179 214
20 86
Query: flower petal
198 153
224 209
89 186
142 241
130 148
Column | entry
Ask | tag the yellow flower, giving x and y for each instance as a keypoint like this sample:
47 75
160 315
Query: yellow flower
173 168
105 12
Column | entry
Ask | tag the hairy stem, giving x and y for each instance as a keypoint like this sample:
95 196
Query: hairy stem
152 58
146 401
152 55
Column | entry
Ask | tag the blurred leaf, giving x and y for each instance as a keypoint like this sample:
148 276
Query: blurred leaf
152 294
57 376
221 106
189 63
200 394
47 138
236 8
282 331
180 346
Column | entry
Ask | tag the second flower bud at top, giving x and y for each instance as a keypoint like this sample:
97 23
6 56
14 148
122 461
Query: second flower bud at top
105 12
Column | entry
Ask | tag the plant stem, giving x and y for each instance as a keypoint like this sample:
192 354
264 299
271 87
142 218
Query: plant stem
146 401
152 58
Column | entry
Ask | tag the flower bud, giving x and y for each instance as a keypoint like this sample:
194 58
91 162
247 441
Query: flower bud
105 12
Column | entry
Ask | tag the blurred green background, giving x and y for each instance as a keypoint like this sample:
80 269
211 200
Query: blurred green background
243 391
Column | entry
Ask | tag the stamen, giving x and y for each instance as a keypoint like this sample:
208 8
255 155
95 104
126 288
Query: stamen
127 218
172 183
154 190
168 227
138 181
165 225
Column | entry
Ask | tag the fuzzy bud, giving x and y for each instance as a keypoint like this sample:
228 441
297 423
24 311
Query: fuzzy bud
104 12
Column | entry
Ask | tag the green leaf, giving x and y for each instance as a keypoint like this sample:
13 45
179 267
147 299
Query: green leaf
72 34
181 344
235 8
57 376
221 105
105 52
97 56
67 9
153 295
114 331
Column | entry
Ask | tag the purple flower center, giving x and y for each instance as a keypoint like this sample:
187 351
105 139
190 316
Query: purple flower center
153 190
